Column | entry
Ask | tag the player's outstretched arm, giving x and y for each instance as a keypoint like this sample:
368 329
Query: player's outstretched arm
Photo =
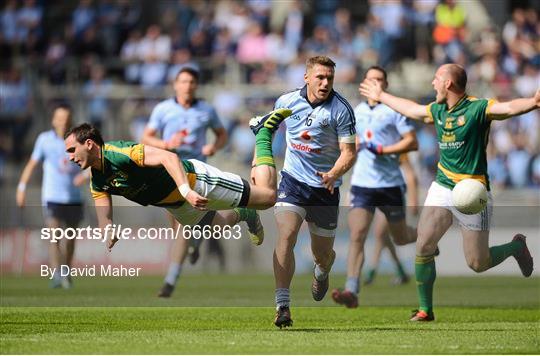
373 90
104 213
155 157
23 181
505 110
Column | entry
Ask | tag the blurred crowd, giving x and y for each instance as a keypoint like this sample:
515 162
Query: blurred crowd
118 42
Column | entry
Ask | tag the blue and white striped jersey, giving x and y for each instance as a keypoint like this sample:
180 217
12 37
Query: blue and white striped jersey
380 125
169 118
314 133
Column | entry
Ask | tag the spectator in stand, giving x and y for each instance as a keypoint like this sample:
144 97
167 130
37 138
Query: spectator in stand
155 51
450 30
15 109
108 16
29 21
97 90
319 43
130 56
55 60
83 17
390 16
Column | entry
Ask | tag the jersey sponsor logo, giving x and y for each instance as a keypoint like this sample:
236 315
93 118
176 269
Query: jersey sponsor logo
305 136
368 135
305 148
448 137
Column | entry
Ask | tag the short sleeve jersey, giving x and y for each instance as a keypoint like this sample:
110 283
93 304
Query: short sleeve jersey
381 125
169 118
313 134
58 171
123 173
462 134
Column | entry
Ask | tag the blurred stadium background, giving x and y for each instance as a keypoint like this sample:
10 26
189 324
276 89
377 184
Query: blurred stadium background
113 60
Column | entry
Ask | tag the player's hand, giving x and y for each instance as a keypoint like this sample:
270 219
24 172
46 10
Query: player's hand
371 89
197 201
176 140
374 148
21 198
209 150
111 242
328 180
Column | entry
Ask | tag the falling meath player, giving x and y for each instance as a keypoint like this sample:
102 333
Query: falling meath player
462 124
192 191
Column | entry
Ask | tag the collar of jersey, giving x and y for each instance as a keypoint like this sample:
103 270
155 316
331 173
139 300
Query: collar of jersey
459 102
195 101
303 94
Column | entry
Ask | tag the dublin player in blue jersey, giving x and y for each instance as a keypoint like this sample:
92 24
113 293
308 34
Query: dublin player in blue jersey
377 183
179 124
320 149
60 196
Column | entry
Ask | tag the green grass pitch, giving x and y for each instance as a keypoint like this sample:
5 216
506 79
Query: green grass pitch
230 314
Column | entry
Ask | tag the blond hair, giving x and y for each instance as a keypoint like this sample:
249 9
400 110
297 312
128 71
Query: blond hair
322 60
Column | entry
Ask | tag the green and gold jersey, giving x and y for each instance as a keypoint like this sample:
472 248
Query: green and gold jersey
462 133
123 173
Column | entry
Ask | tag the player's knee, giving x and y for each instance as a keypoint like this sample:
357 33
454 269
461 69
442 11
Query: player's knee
269 200
425 247
477 265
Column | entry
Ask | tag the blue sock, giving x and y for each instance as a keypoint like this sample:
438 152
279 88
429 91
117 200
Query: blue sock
283 298
352 285
173 274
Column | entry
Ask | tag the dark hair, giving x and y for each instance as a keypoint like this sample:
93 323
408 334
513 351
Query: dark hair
84 132
322 60
379 68
191 71
63 106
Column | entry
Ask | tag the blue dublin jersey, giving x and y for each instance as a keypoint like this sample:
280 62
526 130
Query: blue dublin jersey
314 133
380 125
58 170
169 118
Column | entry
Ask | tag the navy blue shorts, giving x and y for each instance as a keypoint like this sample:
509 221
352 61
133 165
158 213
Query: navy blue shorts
389 200
322 207
69 214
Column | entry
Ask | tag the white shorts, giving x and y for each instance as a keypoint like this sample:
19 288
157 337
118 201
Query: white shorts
224 191
442 197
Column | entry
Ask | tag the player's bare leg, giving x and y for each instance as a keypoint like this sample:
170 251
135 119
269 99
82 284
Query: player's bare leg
359 222
288 224
480 257
322 248
402 233
433 224
55 254
179 252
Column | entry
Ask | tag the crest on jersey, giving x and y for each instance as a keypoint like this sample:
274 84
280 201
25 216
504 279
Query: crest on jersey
461 120
282 195
449 123
324 122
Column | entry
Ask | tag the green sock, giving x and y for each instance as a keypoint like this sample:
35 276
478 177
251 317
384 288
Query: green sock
425 278
497 254
245 213
263 144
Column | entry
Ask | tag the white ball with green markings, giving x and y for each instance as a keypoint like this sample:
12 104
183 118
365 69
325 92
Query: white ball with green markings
469 196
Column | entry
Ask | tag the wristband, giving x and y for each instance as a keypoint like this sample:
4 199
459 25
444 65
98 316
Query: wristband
21 187
184 189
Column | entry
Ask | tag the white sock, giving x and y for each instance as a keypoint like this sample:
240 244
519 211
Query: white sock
174 273
283 298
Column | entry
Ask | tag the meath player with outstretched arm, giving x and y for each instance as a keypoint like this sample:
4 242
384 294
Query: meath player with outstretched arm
462 123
